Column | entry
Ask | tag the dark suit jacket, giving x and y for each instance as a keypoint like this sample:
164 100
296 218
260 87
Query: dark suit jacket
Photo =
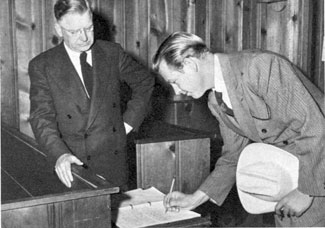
64 120
271 105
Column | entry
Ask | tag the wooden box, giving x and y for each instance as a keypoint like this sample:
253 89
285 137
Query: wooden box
164 151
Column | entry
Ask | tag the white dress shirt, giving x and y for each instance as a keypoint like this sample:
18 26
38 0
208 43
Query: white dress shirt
75 59
219 83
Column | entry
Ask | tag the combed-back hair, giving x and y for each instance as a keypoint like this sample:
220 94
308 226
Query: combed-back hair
63 7
176 47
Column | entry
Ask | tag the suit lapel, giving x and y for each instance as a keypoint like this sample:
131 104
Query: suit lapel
101 68
218 109
232 77
66 76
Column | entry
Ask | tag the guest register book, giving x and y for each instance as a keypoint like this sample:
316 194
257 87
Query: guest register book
141 208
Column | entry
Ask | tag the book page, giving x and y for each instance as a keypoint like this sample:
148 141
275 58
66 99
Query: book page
142 208
147 215
140 196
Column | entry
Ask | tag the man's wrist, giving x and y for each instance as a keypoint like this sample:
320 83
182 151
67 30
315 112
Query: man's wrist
200 197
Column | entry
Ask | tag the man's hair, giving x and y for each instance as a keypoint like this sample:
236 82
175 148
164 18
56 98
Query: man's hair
63 7
176 47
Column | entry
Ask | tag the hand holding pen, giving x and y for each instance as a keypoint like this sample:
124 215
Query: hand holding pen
170 191
175 201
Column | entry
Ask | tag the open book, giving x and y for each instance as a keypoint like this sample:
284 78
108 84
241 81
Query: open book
140 208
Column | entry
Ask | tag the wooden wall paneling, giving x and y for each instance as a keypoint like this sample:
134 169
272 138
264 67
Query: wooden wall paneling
50 38
217 28
275 33
305 37
249 25
24 44
137 31
166 17
160 25
284 27
180 15
299 34
132 26
103 13
261 26
190 16
156 165
8 61
29 39
193 161
119 22
202 24
225 25
144 31
233 26
318 71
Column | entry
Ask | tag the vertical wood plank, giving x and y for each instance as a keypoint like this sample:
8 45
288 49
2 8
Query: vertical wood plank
190 17
104 20
50 38
318 68
159 25
153 160
144 32
249 25
291 31
202 20
120 22
194 163
179 15
8 61
132 26
233 26
217 29
29 39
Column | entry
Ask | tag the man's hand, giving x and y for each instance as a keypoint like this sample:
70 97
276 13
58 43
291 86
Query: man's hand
293 204
176 200
63 168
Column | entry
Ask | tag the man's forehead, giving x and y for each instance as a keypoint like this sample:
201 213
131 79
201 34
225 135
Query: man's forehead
74 20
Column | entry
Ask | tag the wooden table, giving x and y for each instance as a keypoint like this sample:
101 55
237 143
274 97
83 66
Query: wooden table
33 197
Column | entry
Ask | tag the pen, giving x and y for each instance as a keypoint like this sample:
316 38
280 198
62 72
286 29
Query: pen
171 190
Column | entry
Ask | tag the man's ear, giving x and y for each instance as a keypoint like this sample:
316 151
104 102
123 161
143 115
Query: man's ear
191 63
58 29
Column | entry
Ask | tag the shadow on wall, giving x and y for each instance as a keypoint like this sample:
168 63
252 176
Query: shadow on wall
104 29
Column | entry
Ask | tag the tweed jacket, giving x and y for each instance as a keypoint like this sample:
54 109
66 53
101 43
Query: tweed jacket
271 105
64 120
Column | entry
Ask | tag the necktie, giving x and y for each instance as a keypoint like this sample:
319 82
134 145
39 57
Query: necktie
222 104
87 73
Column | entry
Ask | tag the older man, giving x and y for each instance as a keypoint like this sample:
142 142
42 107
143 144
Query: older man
75 97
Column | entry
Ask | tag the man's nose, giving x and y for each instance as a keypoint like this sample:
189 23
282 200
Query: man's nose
83 35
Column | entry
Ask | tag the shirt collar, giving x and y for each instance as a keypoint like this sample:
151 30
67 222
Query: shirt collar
75 54
219 83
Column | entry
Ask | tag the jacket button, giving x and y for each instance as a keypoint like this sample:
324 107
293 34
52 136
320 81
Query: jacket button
114 129
264 130
114 105
69 116
116 152
88 157
285 142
